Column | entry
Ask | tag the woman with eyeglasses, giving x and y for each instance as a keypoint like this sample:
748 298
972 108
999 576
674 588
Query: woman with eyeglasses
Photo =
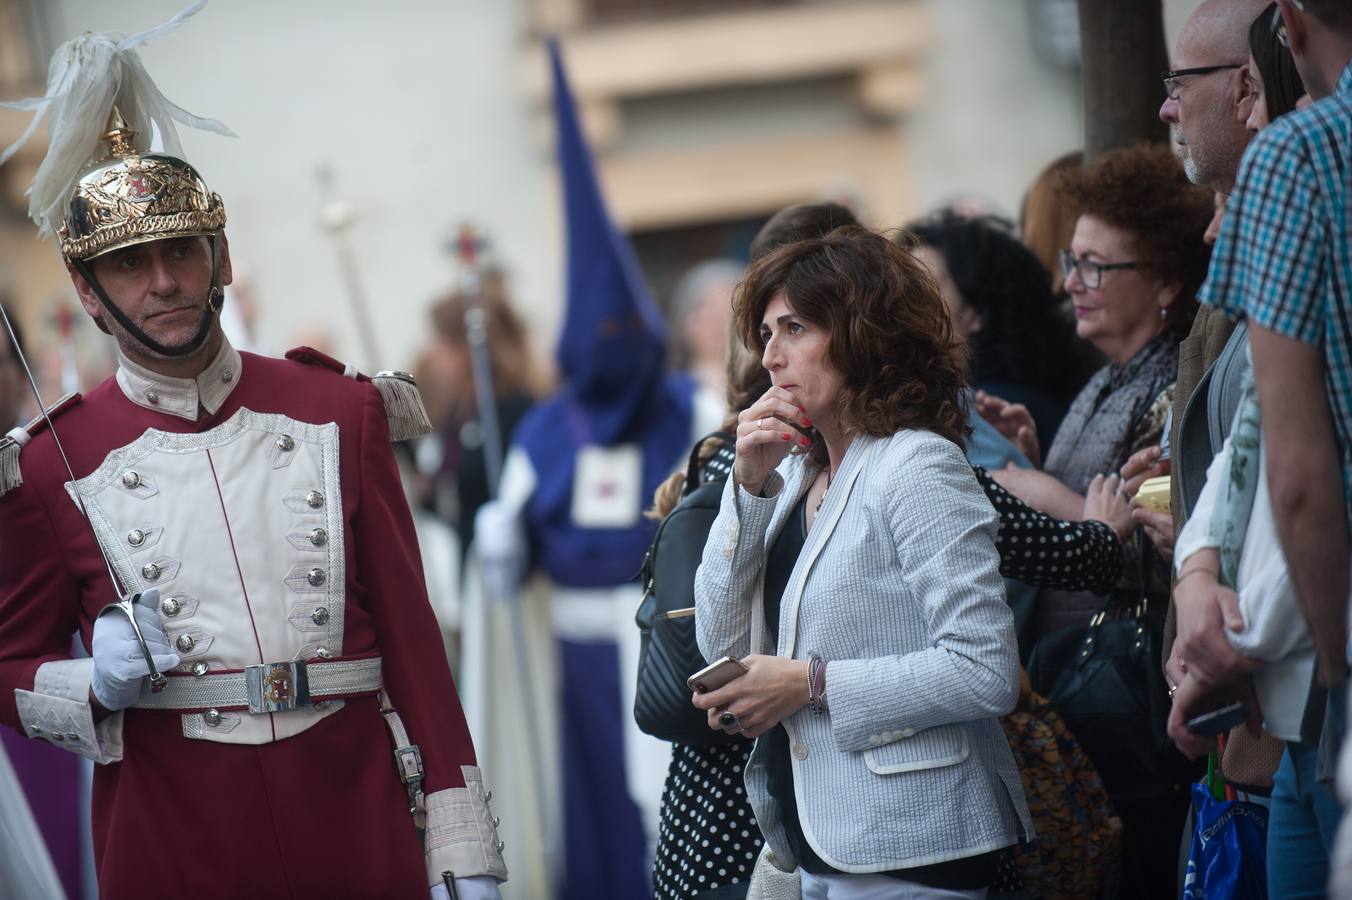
1132 270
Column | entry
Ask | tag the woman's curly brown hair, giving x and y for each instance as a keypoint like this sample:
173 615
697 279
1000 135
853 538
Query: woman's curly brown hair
891 336
1144 191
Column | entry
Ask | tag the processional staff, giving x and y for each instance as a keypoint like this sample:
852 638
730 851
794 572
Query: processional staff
338 217
471 249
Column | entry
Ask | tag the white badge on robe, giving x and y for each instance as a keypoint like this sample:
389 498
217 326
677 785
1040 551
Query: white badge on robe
607 486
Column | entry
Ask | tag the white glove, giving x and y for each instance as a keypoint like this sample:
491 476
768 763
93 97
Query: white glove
119 666
478 887
501 542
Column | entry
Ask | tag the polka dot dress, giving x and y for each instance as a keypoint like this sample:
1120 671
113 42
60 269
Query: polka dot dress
1048 552
708 835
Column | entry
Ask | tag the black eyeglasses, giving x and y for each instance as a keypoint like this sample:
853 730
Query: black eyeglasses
1091 272
1172 84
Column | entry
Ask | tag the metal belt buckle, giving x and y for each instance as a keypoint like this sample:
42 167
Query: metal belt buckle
277 687
409 761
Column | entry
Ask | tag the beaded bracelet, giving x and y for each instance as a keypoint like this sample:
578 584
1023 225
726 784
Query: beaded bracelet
816 685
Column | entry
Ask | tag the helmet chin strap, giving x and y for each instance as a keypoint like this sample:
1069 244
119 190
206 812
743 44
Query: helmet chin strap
215 300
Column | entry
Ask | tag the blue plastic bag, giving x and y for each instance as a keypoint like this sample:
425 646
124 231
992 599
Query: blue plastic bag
1228 858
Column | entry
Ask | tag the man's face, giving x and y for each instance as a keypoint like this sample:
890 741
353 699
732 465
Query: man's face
162 287
1205 121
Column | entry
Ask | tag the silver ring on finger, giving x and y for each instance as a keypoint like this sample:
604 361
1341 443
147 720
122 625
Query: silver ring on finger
758 424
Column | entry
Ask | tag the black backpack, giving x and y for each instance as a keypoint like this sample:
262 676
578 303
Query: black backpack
668 654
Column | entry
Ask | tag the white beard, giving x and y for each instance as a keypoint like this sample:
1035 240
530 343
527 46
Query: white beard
1183 151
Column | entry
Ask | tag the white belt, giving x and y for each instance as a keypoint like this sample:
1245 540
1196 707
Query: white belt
408 762
266 688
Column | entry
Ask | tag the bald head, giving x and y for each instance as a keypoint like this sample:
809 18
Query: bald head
1217 32
1205 118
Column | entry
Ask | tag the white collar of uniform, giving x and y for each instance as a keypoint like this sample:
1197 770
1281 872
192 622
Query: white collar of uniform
181 396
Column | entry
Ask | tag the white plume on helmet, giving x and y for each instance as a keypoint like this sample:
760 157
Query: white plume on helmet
86 77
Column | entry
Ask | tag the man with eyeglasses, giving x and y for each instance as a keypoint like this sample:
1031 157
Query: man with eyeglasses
1205 107
1205 89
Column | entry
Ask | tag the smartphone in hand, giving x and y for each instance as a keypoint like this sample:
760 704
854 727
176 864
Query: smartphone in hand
1219 721
716 675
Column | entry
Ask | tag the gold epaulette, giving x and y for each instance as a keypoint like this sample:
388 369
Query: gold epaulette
404 408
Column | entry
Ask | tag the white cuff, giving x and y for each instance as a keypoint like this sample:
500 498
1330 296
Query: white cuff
462 834
1195 536
57 710
477 887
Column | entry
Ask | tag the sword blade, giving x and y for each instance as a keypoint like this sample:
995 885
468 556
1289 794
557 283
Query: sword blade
125 603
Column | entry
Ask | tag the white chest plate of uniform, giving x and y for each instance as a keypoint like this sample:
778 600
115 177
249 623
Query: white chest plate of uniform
241 529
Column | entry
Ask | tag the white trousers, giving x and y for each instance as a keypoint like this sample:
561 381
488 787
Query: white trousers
876 887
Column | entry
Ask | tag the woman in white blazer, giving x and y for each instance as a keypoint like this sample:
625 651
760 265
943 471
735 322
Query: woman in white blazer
857 580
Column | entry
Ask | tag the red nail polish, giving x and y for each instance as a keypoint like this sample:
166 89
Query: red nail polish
783 437
805 442
807 422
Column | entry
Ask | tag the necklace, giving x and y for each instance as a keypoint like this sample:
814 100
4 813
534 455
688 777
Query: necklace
822 498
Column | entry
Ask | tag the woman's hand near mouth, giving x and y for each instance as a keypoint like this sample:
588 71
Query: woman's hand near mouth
766 431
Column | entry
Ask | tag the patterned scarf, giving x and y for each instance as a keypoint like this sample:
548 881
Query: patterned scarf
1098 431
1234 504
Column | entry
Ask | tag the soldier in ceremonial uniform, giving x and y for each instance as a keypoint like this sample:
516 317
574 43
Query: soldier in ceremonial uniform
309 741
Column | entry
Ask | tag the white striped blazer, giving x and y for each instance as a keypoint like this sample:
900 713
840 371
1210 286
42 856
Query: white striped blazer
898 587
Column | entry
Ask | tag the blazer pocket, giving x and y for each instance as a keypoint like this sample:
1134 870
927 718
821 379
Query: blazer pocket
933 748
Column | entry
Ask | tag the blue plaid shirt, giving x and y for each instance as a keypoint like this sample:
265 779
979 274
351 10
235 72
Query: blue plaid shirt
1284 255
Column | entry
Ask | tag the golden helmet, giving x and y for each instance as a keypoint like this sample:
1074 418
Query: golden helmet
129 198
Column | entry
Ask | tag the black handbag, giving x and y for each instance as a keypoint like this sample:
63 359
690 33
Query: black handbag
668 652
1107 684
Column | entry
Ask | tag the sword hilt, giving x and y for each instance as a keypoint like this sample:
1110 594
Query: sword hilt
127 606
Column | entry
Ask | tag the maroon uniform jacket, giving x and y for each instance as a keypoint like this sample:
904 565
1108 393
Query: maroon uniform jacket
262 499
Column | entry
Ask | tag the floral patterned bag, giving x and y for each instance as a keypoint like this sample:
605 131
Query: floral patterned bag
1077 849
